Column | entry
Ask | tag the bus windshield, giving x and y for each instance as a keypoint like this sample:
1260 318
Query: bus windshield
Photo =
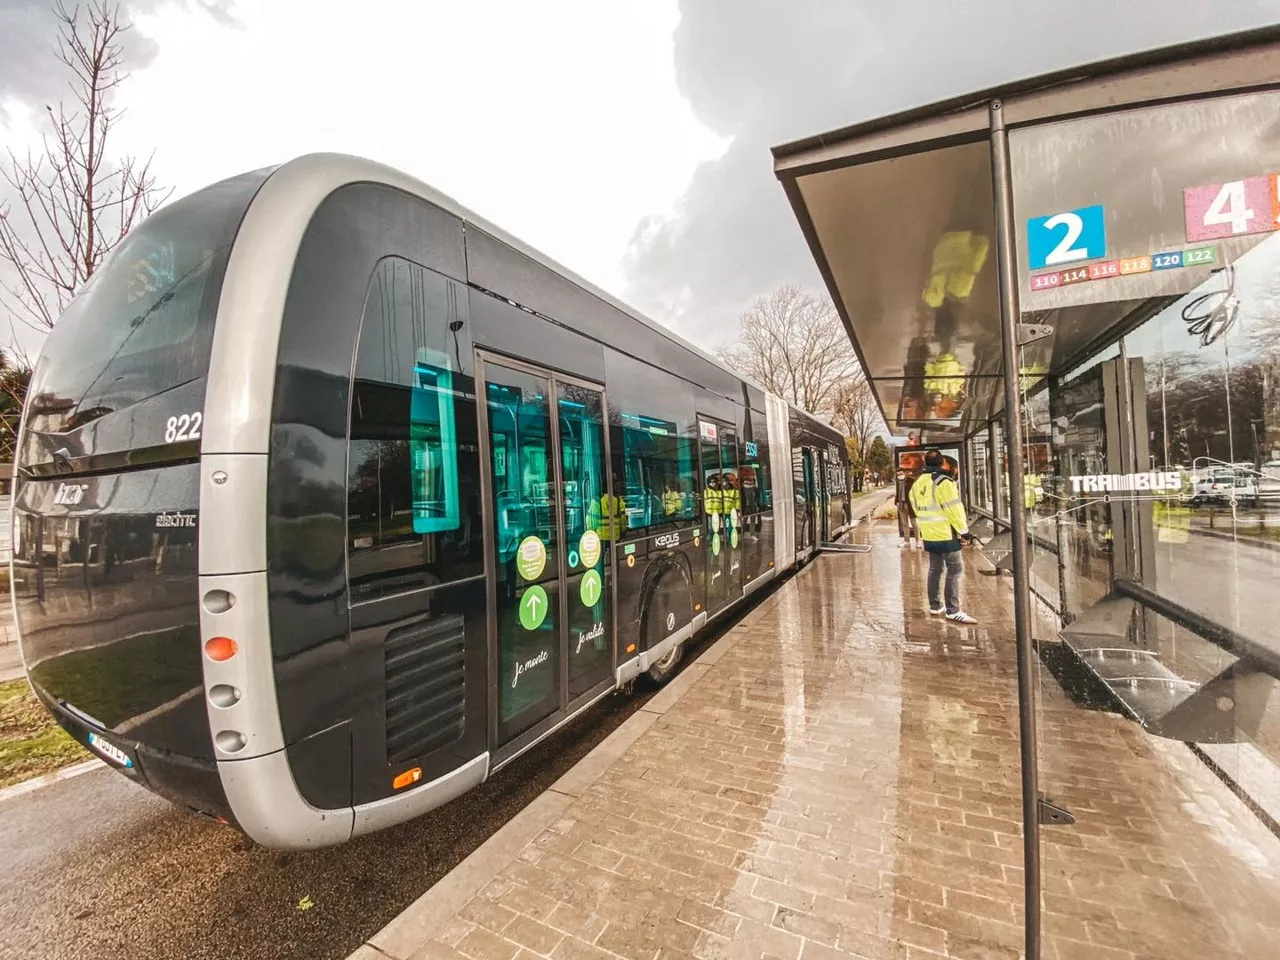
143 323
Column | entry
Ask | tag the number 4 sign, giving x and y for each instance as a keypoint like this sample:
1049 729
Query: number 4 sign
1232 209
1069 237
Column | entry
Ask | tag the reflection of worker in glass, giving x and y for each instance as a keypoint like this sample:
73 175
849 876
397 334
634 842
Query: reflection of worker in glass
670 499
713 500
908 529
732 501
613 514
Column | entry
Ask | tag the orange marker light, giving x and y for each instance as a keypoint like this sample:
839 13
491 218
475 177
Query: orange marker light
631 648
219 649
407 778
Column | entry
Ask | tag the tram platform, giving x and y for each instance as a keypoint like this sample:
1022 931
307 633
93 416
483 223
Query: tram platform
838 776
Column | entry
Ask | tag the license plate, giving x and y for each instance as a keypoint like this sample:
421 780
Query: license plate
109 750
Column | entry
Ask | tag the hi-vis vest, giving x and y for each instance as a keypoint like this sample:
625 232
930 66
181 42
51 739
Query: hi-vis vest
670 502
730 499
938 508
713 500
1032 490
613 517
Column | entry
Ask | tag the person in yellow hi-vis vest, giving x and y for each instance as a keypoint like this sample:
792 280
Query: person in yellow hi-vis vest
944 529
613 515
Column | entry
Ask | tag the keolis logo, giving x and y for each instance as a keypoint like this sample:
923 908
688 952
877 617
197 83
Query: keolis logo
70 494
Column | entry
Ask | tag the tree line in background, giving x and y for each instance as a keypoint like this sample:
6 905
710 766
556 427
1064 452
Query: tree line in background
71 202
794 344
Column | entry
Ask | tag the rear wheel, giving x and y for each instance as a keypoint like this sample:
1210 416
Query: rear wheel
665 669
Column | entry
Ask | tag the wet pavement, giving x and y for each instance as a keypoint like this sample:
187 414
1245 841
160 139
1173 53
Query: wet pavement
842 780
96 868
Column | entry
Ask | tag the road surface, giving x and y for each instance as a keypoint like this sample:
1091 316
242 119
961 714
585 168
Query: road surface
96 868
1231 581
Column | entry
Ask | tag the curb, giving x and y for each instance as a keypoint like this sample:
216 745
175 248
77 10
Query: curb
1236 538
67 773
403 937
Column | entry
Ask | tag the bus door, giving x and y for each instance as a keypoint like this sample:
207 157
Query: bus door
721 514
805 503
822 502
552 520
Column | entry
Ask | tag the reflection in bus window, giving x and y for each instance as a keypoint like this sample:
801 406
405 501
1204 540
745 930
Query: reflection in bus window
519 435
413 480
433 465
659 472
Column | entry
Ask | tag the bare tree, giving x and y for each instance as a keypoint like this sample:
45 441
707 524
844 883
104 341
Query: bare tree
856 412
793 344
74 203
15 374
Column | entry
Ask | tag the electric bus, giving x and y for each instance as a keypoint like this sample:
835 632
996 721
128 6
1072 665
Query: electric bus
332 498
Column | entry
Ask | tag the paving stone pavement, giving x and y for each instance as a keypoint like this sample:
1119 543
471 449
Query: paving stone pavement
841 779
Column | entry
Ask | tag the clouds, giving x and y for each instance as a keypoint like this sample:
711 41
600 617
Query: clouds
762 73
28 30
561 121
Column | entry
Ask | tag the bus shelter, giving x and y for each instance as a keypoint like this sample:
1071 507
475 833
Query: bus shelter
1075 281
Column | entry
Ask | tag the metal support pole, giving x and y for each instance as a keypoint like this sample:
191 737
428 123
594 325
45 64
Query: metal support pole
1009 319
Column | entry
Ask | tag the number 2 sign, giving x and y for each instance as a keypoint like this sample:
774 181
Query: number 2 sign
1069 237
1232 209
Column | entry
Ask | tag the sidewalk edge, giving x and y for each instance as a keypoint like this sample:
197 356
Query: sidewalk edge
35 783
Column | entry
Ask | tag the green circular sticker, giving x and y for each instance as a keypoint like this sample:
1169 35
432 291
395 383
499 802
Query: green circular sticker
589 547
591 588
733 538
531 558
715 544
533 608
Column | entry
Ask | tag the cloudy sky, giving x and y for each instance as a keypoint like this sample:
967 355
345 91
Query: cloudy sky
627 139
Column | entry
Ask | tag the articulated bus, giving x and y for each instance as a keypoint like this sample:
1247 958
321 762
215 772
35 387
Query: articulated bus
332 498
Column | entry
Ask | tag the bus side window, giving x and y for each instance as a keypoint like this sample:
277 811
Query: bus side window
413 486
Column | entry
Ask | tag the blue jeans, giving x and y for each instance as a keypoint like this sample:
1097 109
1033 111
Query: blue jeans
954 567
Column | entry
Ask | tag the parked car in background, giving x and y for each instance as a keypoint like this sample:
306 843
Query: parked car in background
1222 485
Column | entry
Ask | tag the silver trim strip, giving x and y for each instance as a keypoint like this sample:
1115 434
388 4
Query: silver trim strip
269 808
627 671
777 417
256 715
660 649
555 727
277 817
233 539
759 582
380 814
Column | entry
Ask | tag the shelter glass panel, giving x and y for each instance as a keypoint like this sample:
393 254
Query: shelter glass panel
1150 464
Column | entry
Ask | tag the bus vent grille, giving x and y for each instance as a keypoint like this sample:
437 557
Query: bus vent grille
426 687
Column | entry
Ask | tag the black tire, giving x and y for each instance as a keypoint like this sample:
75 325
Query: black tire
665 669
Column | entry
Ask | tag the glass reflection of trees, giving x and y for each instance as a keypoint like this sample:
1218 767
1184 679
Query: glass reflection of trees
1217 402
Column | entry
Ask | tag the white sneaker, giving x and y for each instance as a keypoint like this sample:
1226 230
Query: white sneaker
961 617
937 611
905 543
